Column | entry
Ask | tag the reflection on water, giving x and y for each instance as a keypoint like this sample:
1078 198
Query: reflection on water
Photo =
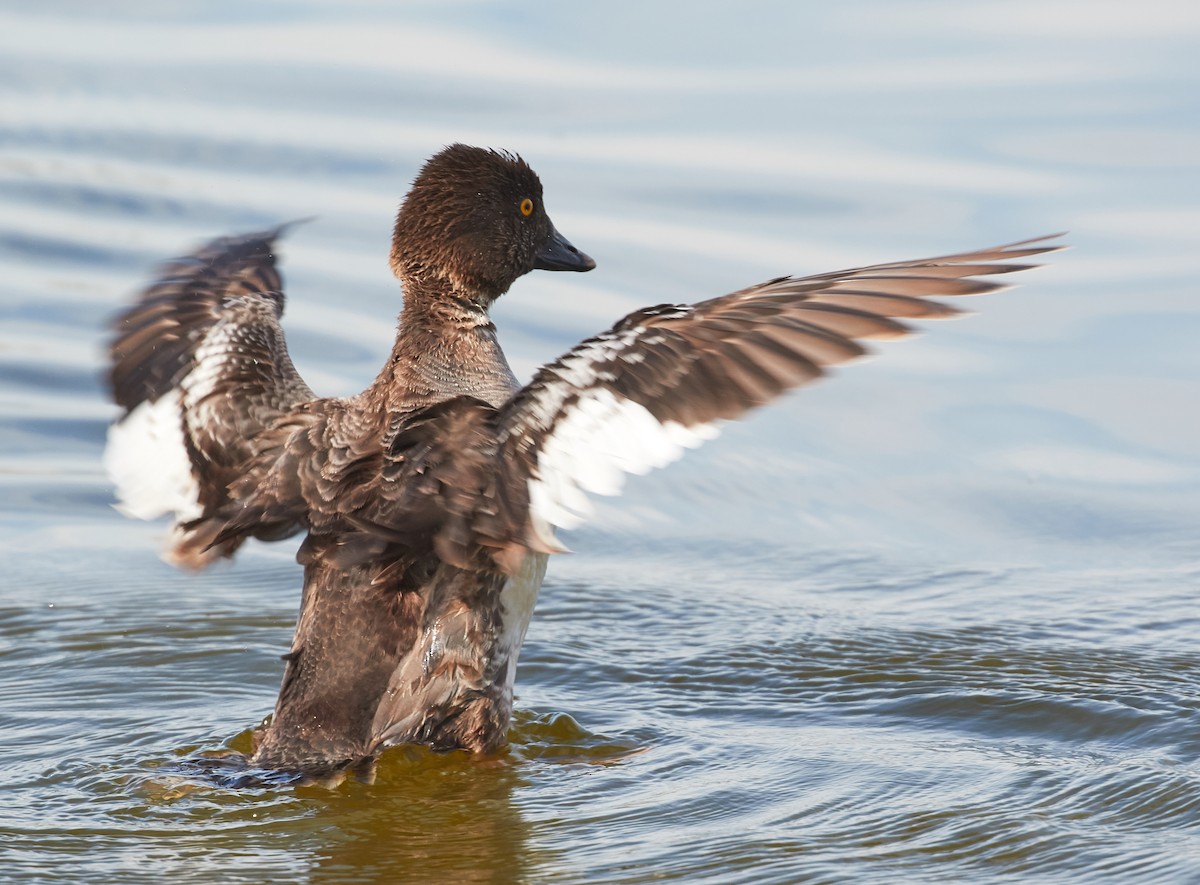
931 620
425 819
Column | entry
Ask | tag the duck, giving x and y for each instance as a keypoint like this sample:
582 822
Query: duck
430 502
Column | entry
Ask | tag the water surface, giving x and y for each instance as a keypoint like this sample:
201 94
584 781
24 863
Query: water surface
932 620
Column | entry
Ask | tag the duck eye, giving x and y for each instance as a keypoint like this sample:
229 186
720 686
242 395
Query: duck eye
527 206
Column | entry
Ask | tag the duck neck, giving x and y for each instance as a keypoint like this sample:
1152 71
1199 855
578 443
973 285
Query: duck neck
446 346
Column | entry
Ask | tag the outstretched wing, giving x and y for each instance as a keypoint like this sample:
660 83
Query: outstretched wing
635 397
200 367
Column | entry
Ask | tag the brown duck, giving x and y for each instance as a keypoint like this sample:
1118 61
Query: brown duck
430 500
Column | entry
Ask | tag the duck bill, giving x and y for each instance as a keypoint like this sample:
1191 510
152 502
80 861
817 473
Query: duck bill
558 254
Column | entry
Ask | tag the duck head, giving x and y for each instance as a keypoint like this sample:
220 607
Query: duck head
474 221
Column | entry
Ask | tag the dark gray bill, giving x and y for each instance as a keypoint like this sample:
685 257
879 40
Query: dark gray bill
558 254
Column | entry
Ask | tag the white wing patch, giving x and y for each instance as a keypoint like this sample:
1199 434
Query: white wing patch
147 461
146 457
600 437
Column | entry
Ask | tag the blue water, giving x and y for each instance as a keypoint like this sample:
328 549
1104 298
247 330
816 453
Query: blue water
931 620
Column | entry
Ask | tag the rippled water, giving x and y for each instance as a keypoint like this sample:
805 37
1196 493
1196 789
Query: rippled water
934 620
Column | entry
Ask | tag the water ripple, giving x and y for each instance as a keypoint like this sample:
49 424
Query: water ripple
934 621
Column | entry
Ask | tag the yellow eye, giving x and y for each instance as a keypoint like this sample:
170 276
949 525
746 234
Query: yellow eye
527 206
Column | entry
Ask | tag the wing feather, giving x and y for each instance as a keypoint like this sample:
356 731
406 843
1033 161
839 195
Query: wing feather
200 367
660 380
468 480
